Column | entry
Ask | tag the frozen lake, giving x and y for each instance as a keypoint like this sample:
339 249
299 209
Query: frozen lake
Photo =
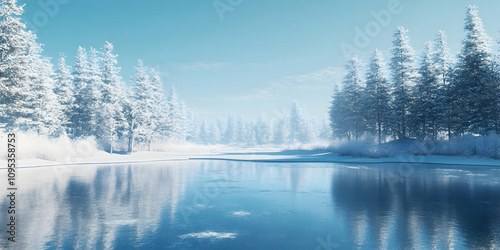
246 205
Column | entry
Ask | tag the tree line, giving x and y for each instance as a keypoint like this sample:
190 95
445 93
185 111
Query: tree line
89 99
434 97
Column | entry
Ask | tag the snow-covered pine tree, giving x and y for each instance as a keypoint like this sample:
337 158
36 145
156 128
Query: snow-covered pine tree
113 92
15 109
241 130
230 135
176 117
81 76
281 132
300 127
353 97
204 135
262 131
403 79
144 105
47 111
251 133
64 89
92 94
215 133
159 113
442 60
473 90
425 108
337 112
376 108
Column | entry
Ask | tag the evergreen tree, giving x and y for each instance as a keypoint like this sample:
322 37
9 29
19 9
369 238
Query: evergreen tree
403 78
338 118
47 111
376 99
176 117
474 89
79 116
424 112
352 98
143 128
300 126
15 109
230 135
113 91
64 89
281 130
444 70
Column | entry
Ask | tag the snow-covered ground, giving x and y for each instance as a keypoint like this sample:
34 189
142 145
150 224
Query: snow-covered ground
254 154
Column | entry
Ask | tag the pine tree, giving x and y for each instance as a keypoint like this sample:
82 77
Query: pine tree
159 113
47 110
424 112
338 110
281 130
230 135
79 116
113 91
352 98
300 126
92 95
204 133
473 91
144 105
15 109
64 89
403 78
176 117
376 109
444 71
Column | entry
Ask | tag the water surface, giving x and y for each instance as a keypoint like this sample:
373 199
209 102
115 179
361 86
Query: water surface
245 205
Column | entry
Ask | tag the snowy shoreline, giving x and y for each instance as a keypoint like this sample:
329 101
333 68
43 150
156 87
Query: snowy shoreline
260 155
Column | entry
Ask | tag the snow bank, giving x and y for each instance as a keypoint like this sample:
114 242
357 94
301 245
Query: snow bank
468 145
32 146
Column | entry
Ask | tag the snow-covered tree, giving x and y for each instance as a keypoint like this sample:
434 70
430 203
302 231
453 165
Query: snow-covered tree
64 89
281 132
15 68
80 118
262 131
159 117
204 133
474 90
403 78
113 92
425 109
176 117
92 94
230 135
142 100
47 111
215 133
337 112
443 67
346 111
300 126
376 108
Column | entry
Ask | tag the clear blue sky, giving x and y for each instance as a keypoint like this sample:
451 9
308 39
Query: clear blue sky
260 58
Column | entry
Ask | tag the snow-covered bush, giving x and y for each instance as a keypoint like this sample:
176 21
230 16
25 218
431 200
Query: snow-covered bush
62 149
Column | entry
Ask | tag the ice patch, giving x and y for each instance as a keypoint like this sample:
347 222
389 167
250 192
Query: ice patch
209 235
241 213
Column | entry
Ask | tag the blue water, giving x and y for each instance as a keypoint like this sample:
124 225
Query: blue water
245 205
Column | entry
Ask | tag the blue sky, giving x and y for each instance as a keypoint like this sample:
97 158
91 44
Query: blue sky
256 60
